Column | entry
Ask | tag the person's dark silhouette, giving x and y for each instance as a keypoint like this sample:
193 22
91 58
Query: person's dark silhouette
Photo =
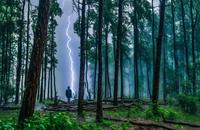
68 94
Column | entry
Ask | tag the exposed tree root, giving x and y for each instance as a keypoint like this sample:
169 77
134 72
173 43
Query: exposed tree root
88 106
9 108
147 124
182 123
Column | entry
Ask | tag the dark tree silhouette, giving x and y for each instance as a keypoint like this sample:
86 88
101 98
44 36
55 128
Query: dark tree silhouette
40 37
156 77
99 112
176 81
136 42
82 61
185 41
117 57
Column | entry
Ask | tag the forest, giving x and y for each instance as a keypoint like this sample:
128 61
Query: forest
138 65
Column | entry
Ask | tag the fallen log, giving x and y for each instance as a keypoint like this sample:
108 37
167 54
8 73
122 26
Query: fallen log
122 105
60 110
90 107
9 108
146 124
93 108
182 123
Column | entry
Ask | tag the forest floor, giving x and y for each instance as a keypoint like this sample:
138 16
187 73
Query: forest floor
126 116
138 115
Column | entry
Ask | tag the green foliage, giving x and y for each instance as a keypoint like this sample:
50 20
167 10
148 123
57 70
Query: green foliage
187 103
61 121
51 121
7 125
171 101
166 113
105 124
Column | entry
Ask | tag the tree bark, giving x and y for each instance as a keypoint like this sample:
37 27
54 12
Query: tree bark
193 48
117 55
107 77
82 62
45 73
99 112
185 40
148 80
122 72
27 43
42 83
176 81
164 72
153 33
136 40
158 56
40 37
95 67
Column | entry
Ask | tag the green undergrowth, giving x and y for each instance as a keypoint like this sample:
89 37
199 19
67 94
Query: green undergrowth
164 112
68 121
8 115
61 121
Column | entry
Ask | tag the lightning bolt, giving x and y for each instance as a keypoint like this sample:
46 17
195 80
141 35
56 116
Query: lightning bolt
70 52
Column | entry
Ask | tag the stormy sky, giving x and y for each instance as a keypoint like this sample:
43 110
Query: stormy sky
63 73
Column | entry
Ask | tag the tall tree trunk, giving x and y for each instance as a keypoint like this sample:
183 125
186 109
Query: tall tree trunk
193 48
117 56
42 83
95 66
40 36
82 62
158 56
27 42
2 62
54 79
49 80
45 72
121 71
19 54
107 77
153 33
176 81
52 51
136 40
164 72
185 40
86 55
148 80
99 112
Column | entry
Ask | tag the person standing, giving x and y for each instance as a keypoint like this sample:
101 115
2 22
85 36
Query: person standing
68 94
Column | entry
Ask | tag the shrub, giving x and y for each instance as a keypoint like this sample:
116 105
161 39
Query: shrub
187 103
7 125
51 121
166 113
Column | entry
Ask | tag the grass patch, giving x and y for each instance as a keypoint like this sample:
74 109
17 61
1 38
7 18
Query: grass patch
169 113
58 121
8 115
